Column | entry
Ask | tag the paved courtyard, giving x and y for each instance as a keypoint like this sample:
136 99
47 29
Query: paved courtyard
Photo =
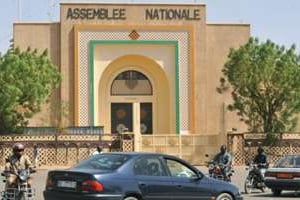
238 178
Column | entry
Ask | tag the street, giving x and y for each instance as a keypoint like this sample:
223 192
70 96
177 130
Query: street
238 178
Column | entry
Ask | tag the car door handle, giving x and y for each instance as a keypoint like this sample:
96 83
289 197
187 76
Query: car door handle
179 186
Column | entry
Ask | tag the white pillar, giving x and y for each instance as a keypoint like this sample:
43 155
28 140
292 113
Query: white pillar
180 145
137 126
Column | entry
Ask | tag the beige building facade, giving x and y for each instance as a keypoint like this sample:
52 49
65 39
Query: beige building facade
147 68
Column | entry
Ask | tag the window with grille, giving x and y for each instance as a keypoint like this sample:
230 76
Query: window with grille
131 83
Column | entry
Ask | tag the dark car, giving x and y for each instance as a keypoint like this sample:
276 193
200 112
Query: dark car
135 176
285 175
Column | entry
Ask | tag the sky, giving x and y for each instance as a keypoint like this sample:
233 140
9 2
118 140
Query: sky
276 20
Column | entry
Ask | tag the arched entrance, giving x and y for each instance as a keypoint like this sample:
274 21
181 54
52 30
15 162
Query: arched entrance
131 83
133 95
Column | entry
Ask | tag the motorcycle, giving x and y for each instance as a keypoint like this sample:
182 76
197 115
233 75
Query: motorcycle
22 191
217 171
255 178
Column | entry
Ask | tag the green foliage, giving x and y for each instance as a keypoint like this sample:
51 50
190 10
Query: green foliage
27 79
265 82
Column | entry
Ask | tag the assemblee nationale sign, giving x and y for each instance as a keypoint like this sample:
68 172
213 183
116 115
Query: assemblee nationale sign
120 14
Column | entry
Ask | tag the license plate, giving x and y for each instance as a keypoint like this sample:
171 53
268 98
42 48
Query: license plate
284 175
66 184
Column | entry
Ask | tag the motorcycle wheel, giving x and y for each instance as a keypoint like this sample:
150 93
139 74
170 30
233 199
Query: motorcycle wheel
248 186
21 196
276 192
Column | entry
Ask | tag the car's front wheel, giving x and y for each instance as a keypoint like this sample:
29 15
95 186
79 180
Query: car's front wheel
276 192
131 198
224 196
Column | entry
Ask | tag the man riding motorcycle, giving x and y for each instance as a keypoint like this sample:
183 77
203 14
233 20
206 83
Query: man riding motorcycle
261 161
256 170
223 158
15 162
260 158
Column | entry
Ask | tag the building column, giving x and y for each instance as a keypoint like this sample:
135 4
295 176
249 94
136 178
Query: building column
137 126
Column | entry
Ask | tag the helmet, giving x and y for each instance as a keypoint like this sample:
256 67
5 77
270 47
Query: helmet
260 150
223 148
99 148
17 147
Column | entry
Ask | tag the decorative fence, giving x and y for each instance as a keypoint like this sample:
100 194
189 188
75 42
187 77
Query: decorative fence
244 146
67 149
64 150
94 130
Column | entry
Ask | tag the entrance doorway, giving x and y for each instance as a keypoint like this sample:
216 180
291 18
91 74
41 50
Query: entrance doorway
146 121
142 83
122 117
131 103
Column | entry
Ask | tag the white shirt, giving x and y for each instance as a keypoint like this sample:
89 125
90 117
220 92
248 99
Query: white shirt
96 152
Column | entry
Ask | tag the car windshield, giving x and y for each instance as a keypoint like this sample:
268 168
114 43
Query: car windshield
291 161
103 162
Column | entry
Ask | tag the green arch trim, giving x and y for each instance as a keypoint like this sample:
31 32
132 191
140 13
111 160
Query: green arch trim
91 48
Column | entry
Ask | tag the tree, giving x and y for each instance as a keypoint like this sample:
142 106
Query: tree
264 79
27 79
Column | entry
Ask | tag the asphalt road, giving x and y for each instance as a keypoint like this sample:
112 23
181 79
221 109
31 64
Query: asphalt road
39 180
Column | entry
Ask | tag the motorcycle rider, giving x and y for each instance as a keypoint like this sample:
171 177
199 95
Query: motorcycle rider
261 161
99 150
15 162
223 158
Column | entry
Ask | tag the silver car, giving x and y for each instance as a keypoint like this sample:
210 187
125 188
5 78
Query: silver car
285 175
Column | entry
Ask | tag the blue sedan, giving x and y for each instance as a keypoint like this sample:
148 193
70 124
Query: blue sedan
135 176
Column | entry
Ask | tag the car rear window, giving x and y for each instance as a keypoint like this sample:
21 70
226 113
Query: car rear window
103 162
290 161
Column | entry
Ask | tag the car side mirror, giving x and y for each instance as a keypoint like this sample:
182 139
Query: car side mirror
199 176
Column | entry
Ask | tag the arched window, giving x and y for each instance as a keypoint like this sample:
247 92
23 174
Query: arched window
131 83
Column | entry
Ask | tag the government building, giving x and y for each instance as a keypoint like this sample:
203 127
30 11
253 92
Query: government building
149 69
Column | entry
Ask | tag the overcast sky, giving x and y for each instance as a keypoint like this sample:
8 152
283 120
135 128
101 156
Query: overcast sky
277 20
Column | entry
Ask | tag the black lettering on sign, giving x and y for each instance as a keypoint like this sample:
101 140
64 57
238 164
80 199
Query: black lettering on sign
96 13
120 14
172 14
